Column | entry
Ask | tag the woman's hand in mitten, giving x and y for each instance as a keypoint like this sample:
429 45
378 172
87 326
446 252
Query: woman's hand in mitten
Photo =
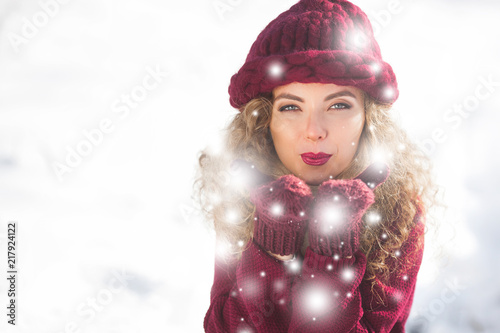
338 210
281 214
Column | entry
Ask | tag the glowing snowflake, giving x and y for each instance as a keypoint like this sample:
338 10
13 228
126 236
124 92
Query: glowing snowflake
373 217
348 274
277 209
316 300
375 68
389 92
276 70
232 216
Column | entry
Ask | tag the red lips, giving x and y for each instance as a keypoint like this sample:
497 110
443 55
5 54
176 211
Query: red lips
315 159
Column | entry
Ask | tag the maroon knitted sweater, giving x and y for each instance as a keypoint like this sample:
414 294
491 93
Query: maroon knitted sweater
262 294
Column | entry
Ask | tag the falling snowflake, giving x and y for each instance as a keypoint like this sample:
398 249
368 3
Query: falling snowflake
379 155
232 215
293 266
373 217
316 300
277 209
279 285
389 92
276 70
398 296
375 68
348 274
331 217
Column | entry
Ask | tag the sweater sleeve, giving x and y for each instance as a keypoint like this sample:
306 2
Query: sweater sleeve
250 295
331 296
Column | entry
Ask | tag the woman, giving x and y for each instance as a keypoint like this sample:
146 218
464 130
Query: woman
315 236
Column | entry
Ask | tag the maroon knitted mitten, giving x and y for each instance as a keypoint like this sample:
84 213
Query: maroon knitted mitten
338 210
281 214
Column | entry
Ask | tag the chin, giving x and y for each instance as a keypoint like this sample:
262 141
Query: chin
313 176
314 179
313 183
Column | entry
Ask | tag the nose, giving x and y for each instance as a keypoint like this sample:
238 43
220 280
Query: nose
315 127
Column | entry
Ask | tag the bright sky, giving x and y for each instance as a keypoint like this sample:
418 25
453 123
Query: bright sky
65 81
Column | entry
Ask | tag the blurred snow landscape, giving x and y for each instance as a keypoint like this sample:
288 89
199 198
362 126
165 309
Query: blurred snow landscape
109 240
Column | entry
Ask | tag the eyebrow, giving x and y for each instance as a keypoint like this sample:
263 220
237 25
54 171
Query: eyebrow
327 98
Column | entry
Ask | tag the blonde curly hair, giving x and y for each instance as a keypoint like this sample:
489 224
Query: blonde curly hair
410 185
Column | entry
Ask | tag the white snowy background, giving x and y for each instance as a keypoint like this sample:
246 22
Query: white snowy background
113 243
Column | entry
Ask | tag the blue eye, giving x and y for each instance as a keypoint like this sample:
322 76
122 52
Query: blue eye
340 106
286 108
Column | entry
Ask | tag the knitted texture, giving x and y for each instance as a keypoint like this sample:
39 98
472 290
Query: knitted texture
317 293
318 41
281 214
340 206
338 211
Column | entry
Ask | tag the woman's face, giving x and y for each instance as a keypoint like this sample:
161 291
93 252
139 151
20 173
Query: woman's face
316 118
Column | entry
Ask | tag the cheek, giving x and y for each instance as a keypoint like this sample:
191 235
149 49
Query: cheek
284 134
350 131
345 136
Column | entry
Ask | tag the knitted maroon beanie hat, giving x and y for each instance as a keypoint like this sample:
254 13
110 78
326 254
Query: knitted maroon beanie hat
322 41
